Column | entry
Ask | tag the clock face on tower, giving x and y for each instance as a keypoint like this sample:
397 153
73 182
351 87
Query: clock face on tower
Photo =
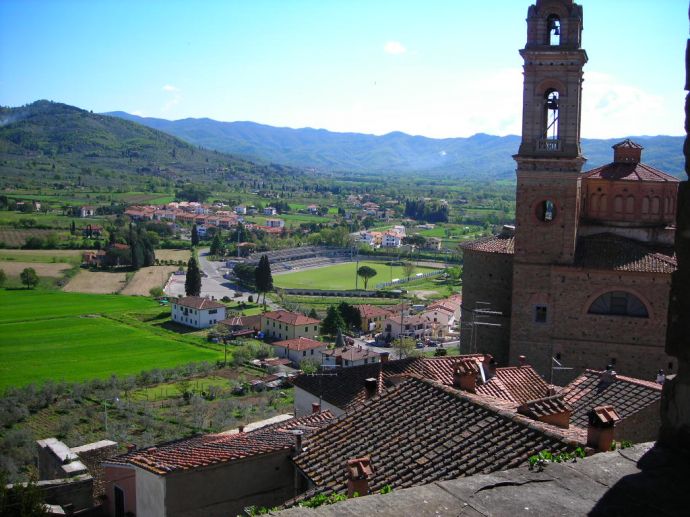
546 210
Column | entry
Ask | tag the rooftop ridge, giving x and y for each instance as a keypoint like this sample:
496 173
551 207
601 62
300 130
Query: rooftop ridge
631 380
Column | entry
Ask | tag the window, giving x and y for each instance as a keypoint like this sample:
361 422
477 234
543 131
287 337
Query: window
119 502
306 329
645 205
304 354
546 211
630 205
316 328
311 351
594 203
656 205
213 311
550 128
540 312
618 204
554 28
619 303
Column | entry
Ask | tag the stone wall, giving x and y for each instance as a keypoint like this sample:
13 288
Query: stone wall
487 277
92 455
74 493
642 426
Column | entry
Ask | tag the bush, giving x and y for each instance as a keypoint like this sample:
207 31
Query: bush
156 292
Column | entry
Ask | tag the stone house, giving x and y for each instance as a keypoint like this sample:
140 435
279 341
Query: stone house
284 325
349 356
196 311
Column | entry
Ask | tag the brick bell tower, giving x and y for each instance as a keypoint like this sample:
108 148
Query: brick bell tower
549 164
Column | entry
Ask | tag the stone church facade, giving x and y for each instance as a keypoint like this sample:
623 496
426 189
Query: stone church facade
583 278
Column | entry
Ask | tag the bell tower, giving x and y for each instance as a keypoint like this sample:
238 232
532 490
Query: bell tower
550 159
549 165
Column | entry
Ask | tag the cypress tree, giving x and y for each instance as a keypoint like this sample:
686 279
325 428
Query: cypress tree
195 236
263 276
192 284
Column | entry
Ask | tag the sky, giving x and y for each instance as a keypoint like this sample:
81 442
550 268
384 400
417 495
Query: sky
438 68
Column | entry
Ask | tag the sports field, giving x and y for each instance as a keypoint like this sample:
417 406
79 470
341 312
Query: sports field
56 335
341 276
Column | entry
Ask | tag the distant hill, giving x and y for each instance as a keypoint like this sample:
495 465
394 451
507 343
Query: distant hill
48 143
480 156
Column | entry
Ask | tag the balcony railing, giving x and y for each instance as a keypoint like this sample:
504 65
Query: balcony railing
548 145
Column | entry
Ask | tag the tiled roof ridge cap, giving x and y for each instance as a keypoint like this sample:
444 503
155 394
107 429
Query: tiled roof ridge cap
503 411
667 177
631 380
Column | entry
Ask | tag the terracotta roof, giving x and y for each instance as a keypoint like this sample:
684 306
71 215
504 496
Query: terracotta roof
504 244
243 321
612 252
420 432
372 311
546 406
354 353
291 318
605 415
516 384
346 389
197 302
626 394
212 449
621 171
299 344
627 144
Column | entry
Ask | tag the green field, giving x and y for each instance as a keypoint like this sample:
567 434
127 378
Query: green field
70 336
340 276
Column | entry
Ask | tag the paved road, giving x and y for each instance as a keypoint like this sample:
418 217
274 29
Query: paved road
212 284
394 352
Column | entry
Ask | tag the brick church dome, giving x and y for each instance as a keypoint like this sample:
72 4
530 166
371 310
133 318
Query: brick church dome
626 192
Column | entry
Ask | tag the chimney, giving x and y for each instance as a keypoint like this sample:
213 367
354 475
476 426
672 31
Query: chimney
489 366
315 407
358 472
131 447
465 375
383 356
602 421
608 376
523 360
371 384
298 434
240 428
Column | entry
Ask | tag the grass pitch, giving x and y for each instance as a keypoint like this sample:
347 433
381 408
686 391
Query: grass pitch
341 276
70 336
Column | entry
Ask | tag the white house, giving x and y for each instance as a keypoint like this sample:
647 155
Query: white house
87 211
197 312
299 349
275 223
391 240
241 210
269 210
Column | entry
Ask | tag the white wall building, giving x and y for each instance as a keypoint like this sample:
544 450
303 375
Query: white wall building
197 312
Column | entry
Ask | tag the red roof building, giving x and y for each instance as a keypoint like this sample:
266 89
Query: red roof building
284 325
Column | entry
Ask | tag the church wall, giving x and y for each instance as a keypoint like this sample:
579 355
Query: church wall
489 278
593 341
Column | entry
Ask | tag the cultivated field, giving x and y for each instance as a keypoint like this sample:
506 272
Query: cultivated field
173 255
17 238
96 282
340 276
13 268
54 335
72 256
147 278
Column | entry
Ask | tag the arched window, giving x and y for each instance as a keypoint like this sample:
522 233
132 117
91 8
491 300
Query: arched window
656 205
551 98
603 203
618 204
630 205
619 303
645 205
594 203
667 205
553 25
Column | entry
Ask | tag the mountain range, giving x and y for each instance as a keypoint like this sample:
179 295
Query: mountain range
480 156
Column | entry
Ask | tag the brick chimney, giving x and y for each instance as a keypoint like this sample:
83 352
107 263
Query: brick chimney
358 472
371 384
384 356
608 376
523 360
551 410
602 421
298 434
315 407
240 428
465 375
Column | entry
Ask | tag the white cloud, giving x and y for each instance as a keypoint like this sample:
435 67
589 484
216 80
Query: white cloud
174 96
394 47
138 113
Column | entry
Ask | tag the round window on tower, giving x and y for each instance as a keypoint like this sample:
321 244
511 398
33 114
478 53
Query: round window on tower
546 211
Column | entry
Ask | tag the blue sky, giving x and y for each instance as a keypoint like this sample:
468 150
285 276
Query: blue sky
438 68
